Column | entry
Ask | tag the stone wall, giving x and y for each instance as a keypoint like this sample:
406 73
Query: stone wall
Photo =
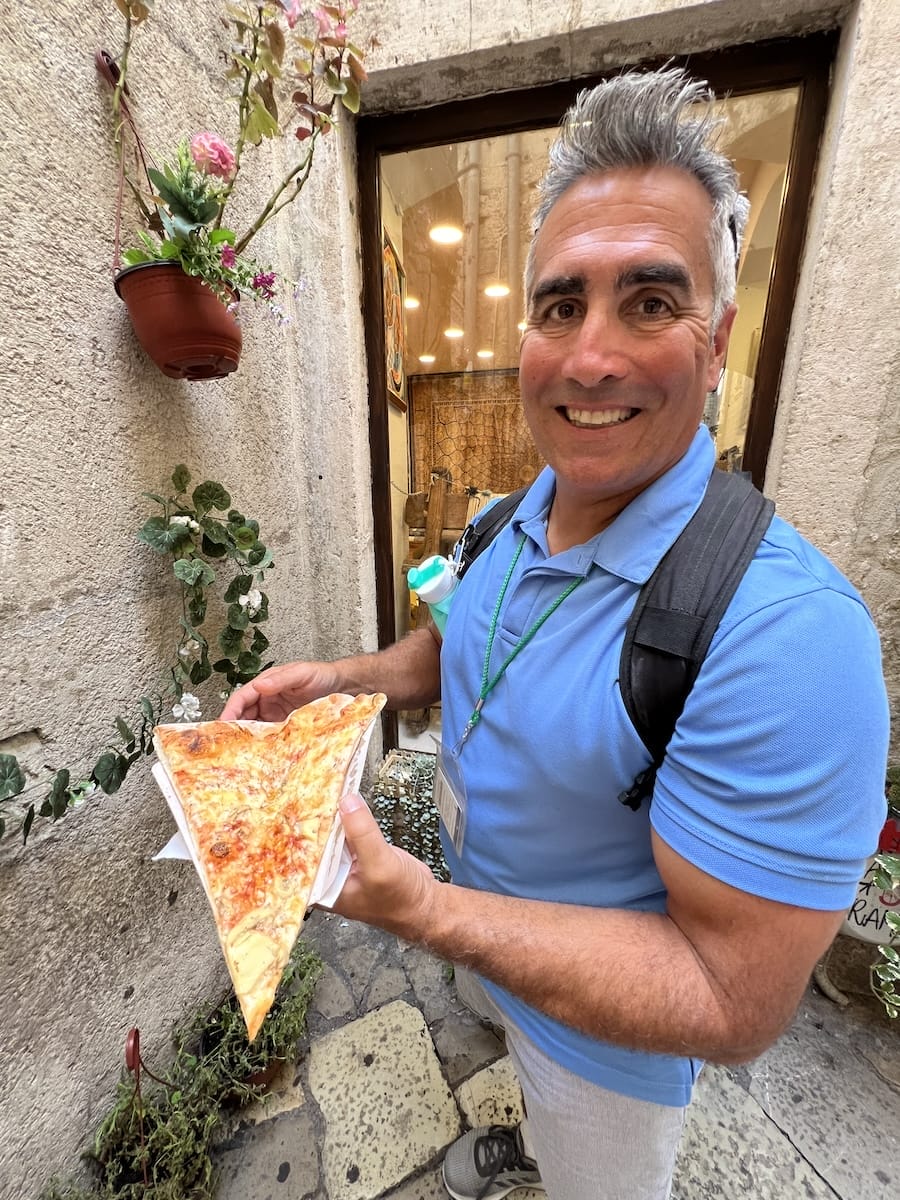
97 938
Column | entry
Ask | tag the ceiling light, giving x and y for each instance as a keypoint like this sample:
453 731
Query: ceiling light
452 332
485 353
445 235
522 326
426 358
496 290
411 302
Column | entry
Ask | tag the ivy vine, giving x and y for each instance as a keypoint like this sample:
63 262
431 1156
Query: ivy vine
205 550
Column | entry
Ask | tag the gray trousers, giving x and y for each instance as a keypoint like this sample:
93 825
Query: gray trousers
590 1143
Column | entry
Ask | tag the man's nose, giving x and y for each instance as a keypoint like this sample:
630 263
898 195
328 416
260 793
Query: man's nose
595 351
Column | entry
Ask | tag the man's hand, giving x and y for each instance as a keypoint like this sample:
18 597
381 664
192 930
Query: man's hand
386 887
273 695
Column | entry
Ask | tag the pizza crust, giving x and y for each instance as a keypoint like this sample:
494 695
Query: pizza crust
259 803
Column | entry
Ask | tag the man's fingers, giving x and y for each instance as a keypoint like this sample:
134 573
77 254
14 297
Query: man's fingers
360 827
239 702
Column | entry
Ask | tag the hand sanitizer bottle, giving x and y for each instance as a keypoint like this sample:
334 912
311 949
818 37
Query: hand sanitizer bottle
435 581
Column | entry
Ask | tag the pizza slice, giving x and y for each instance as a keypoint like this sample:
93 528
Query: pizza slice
260 802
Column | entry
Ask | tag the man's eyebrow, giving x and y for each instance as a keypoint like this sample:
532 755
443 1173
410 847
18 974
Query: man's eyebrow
560 285
668 274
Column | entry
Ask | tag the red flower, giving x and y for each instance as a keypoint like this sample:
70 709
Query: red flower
889 840
264 283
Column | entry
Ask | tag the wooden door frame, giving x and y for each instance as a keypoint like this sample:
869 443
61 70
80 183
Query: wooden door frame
804 62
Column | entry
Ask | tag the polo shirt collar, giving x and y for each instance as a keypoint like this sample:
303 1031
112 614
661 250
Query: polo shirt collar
633 545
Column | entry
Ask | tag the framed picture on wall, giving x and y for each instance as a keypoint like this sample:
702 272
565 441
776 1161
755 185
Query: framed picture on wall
394 347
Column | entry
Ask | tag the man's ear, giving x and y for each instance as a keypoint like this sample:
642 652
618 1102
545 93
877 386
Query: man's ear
720 347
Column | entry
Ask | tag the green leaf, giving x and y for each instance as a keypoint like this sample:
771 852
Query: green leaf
260 641
260 123
158 533
222 665
237 617
29 821
350 98
12 779
215 531
259 557
248 663
133 257
263 613
217 236
210 495
194 572
231 640
213 549
239 586
154 496
244 537
181 477
147 709
333 82
59 794
125 734
234 517
201 670
197 608
109 772
188 570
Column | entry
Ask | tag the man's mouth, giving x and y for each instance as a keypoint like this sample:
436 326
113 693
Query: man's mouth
586 418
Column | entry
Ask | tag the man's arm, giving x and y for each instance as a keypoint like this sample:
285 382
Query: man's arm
717 976
408 672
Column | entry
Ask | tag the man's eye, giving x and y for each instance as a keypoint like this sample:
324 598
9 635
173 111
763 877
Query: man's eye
562 310
654 306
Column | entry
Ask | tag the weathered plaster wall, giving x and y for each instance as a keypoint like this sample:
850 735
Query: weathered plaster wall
834 468
95 937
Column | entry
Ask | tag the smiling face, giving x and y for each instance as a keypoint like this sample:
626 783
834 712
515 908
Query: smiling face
619 350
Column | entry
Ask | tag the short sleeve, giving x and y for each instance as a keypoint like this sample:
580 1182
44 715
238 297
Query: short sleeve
774 778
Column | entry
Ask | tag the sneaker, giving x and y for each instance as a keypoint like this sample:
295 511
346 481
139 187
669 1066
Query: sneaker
487 1163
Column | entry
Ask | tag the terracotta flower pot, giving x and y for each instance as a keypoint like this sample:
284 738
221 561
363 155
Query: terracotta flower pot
180 321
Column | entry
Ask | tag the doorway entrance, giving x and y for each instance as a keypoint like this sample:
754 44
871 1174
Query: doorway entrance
446 200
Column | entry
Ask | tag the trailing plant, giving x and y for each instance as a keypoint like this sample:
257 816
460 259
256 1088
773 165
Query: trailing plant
208 552
885 971
287 67
156 1142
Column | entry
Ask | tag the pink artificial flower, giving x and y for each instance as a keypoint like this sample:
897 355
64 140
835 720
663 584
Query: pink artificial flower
294 12
323 22
340 30
212 156
264 283
228 256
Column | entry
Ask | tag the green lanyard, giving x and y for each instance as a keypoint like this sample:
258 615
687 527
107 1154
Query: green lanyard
487 682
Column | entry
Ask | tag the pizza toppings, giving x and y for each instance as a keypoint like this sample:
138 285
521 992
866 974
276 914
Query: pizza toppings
260 801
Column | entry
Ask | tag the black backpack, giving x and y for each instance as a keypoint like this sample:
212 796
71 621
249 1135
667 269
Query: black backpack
677 610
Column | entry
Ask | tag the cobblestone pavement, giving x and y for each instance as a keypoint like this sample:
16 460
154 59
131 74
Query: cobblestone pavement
394 1068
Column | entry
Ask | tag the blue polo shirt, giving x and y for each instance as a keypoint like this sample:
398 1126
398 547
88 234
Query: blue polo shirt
774 778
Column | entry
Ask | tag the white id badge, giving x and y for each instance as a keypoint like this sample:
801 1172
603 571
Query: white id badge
450 795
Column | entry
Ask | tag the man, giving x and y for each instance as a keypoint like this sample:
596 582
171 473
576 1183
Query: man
620 949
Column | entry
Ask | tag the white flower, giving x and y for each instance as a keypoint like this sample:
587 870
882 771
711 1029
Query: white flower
188 709
252 601
191 651
189 522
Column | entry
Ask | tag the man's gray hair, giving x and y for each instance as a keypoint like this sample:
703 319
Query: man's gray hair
647 119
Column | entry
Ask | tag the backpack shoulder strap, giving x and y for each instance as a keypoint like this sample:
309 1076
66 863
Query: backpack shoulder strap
679 609
480 532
